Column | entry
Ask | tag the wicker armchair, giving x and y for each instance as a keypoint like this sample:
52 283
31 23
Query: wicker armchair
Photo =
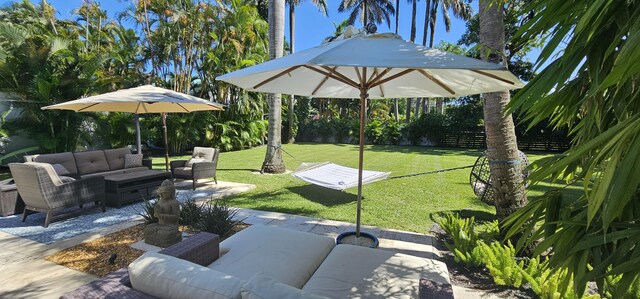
42 190
180 169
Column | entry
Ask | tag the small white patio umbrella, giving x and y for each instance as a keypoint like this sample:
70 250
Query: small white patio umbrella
138 100
375 66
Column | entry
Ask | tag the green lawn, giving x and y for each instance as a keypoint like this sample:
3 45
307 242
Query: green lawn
404 203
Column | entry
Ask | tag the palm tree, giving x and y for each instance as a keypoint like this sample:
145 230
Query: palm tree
592 88
412 38
502 147
460 10
368 11
395 101
322 7
273 162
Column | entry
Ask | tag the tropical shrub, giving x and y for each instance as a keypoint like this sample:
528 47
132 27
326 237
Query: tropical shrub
373 131
217 218
504 268
391 132
190 212
147 211
592 89
464 236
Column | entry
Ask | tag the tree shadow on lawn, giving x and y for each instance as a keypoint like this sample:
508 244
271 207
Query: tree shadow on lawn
425 150
324 196
478 215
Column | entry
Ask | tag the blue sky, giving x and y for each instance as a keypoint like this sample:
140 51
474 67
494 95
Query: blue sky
311 26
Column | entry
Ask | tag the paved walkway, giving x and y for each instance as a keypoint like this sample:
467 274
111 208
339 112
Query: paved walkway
25 274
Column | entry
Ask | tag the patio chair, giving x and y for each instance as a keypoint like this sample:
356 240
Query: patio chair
203 164
42 190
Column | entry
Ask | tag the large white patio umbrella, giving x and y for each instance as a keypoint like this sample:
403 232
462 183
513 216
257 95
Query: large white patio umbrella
139 100
373 66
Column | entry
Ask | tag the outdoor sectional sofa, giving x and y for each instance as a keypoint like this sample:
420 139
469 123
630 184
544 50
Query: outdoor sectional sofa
269 262
90 163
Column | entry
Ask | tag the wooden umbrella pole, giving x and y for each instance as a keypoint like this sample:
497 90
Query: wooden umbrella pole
166 142
138 139
363 108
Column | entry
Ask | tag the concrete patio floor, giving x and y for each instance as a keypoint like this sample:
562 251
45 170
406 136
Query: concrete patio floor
25 273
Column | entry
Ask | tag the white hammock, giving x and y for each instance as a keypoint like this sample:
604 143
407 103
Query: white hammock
334 176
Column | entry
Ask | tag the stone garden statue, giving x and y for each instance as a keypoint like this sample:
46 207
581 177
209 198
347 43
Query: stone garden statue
165 233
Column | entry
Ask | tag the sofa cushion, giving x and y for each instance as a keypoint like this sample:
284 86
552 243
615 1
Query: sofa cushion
114 172
65 159
206 153
261 286
183 171
192 161
91 162
165 276
115 157
354 271
288 256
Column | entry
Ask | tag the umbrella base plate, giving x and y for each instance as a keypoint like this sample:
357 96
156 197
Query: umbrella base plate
365 239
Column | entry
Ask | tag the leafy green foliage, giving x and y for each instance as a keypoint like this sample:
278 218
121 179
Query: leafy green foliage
591 88
217 218
464 236
147 211
504 268
190 212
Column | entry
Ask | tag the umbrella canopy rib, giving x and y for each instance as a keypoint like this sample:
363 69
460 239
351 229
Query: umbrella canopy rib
375 75
385 80
289 70
436 81
185 109
379 76
492 76
333 76
85 108
358 74
335 72
322 82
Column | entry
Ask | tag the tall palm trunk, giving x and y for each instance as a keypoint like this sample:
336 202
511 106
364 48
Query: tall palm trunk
426 22
502 147
273 162
440 105
395 101
414 4
432 22
397 14
292 99
412 37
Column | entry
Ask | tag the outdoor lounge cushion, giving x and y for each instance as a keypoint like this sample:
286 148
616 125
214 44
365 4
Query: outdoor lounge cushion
354 271
115 157
261 286
65 159
205 153
183 171
287 256
91 162
165 276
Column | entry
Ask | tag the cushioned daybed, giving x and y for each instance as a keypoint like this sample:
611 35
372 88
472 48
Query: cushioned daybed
269 262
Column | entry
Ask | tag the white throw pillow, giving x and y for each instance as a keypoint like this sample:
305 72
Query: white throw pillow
261 286
132 160
168 277
192 161
60 170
